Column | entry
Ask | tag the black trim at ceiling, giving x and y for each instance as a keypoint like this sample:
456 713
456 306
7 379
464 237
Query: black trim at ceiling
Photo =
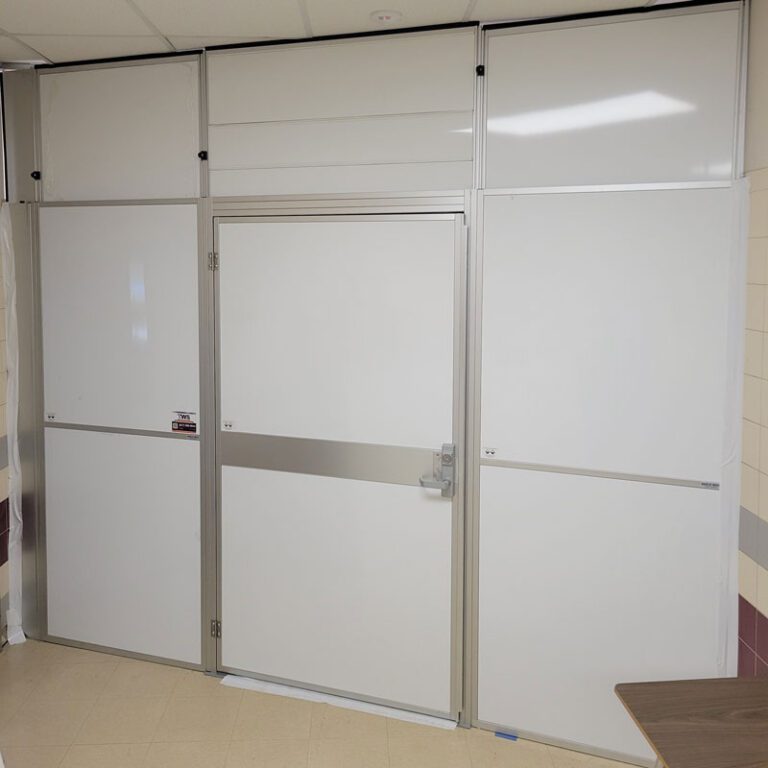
604 14
120 59
384 32
262 43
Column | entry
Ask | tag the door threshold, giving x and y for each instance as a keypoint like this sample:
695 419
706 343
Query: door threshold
288 691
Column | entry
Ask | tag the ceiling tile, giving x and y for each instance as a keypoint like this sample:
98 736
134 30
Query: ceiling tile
225 18
503 10
330 17
184 43
12 52
71 17
60 48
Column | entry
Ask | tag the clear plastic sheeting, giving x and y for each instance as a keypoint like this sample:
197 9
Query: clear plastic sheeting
730 477
291 692
15 632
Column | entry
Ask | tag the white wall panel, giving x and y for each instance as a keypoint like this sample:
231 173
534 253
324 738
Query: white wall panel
604 329
362 602
648 100
320 318
126 132
375 76
123 542
120 319
332 179
431 137
585 583
372 115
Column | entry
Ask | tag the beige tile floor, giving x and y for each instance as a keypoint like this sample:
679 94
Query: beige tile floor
66 708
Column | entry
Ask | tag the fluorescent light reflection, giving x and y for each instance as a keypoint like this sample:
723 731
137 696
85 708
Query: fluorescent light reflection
138 293
645 105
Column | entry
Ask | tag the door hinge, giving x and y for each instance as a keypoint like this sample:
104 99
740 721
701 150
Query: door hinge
215 628
480 70
213 261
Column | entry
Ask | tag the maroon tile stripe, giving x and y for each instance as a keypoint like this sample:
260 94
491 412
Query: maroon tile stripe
753 641
5 524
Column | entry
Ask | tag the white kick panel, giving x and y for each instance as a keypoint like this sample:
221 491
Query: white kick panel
585 583
123 542
628 101
120 318
390 114
604 330
121 133
338 329
338 583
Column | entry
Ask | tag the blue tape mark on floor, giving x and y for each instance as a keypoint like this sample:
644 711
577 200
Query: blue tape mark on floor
510 736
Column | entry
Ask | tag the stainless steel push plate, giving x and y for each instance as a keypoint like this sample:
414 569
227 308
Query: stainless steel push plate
444 472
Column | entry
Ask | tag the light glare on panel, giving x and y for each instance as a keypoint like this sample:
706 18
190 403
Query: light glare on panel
644 105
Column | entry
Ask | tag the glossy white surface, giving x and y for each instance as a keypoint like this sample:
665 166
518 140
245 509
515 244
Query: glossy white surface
338 329
432 137
120 322
338 583
121 133
123 542
432 72
333 179
604 329
587 582
369 115
648 100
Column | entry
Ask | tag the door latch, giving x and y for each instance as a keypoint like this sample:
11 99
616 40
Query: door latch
443 476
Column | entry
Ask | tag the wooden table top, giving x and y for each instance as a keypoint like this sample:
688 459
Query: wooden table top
719 723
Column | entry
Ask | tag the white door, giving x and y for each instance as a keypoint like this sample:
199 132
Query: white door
340 345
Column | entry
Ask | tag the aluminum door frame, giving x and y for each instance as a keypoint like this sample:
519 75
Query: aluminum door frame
458 438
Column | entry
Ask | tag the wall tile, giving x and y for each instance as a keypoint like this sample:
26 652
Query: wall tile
748 578
753 353
749 535
756 307
5 516
758 179
752 398
757 261
761 636
747 623
4 483
758 213
750 444
4 579
762 507
750 489
747 661
763 458
761 599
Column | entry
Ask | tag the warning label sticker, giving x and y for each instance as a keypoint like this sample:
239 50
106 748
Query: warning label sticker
185 421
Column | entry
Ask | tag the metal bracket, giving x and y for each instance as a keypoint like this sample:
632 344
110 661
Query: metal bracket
215 628
444 472
213 261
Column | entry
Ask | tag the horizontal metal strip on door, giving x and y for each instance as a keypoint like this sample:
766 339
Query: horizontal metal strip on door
705 484
120 430
355 461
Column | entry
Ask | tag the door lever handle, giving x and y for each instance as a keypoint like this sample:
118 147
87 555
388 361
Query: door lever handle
443 475
431 482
